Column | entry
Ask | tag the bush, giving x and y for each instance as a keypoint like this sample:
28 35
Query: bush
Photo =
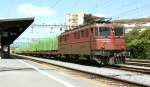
138 43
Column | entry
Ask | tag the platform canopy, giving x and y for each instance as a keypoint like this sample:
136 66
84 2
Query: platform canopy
11 29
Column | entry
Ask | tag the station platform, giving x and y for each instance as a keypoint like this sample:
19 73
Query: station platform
24 73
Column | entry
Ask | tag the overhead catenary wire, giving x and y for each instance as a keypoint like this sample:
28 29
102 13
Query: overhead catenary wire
56 3
50 26
132 10
125 5
75 5
107 3
103 5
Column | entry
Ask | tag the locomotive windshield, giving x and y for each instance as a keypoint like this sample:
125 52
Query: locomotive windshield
118 31
104 31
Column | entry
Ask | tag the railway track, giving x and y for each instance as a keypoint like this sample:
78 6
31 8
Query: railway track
135 65
132 68
138 62
122 76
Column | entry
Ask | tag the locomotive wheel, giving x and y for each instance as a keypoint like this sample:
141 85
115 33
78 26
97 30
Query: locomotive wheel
97 59
119 60
106 60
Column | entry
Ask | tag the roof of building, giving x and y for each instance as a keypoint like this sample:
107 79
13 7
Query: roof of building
11 29
133 21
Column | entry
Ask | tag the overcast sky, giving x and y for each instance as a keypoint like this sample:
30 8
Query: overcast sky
56 11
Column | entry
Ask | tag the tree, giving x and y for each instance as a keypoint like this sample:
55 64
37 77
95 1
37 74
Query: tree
138 48
138 42
89 19
145 36
133 34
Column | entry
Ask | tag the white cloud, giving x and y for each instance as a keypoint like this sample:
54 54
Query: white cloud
32 10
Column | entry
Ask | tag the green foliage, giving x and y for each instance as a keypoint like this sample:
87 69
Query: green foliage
138 42
89 19
132 35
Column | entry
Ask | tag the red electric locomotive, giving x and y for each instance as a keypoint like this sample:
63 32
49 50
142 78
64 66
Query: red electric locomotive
103 43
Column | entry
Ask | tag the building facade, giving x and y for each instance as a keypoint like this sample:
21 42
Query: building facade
75 20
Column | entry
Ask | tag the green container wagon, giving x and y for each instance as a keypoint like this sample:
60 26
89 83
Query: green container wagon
44 45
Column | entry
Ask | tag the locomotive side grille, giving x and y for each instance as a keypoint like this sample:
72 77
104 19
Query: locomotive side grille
106 44
120 44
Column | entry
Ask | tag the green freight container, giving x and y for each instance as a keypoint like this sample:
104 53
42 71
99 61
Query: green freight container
48 44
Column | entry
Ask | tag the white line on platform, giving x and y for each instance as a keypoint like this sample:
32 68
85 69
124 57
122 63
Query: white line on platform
47 74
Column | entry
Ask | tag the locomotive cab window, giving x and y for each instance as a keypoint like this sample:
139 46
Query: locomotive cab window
118 31
104 31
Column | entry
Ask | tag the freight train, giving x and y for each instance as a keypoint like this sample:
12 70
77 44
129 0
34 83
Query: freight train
103 43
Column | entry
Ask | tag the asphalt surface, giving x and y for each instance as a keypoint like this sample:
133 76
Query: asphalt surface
23 73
